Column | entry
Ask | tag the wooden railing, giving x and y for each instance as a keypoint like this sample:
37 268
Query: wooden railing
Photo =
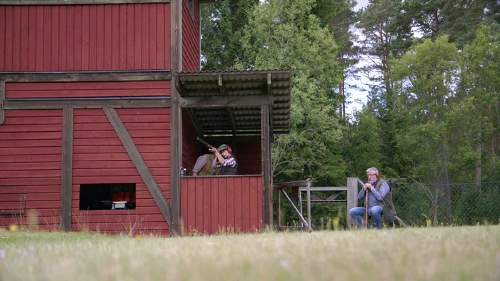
216 204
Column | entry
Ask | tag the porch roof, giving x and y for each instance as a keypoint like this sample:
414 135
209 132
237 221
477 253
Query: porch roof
229 102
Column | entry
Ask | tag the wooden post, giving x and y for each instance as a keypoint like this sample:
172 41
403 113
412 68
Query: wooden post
266 166
176 134
67 168
352 197
2 101
309 220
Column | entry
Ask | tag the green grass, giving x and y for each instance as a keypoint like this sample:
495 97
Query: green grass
447 253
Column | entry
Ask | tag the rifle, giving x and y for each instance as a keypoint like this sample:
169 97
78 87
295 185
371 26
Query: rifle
202 141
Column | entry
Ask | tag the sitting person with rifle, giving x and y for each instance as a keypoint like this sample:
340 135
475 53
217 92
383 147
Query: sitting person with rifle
220 162
226 163
374 194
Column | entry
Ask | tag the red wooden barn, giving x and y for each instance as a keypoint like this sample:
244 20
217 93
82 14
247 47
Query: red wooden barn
100 106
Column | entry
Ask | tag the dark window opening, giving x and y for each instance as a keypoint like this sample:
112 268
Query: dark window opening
107 196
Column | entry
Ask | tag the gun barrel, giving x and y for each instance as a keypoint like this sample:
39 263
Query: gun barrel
203 142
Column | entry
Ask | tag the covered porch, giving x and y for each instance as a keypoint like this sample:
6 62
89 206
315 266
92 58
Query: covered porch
243 109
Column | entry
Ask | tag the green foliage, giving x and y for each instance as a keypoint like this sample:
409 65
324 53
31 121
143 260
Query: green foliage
366 142
457 19
434 104
222 25
427 75
284 34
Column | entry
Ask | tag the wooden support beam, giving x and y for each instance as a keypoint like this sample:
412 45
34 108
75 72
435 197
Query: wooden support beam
67 169
269 93
229 101
91 76
266 166
59 103
2 102
77 2
232 121
139 163
221 86
352 197
176 114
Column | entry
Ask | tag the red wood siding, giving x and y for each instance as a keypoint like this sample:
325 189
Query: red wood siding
189 143
30 166
84 37
190 36
88 89
99 157
216 204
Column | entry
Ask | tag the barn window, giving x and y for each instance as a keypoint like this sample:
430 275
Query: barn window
107 196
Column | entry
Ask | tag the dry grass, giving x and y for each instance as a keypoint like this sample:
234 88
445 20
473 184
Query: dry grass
455 253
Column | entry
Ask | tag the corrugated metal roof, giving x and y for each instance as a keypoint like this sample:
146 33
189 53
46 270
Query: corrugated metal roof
241 120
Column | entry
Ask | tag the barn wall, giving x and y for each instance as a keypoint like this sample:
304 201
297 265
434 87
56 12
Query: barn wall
85 37
215 204
190 36
30 166
88 89
31 156
249 157
99 157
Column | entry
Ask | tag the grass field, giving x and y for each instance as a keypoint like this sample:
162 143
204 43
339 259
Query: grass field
447 253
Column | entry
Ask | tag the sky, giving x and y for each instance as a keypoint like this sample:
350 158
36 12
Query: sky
357 96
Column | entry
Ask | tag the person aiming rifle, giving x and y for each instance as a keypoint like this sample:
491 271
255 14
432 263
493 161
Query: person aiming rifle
220 162
373 193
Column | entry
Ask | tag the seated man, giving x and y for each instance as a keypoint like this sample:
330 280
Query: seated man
225 162
204 165
376 189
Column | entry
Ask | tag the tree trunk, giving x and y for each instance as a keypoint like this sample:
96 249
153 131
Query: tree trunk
342 96
478 165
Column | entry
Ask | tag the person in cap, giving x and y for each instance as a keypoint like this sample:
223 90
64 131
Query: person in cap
377 189
226 164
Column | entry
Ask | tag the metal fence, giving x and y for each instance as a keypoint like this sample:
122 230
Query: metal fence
419 204
454 204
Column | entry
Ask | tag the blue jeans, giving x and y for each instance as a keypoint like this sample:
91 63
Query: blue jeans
375 212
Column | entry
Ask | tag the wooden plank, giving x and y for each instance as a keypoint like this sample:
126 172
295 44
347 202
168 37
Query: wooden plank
230 203
88 76
352 197
139 163
207 201
165 134
266 166
105 149
199 199
227 101
2 101
59 103
191 199
133 86
113 157
104 141
67 169
77 2
214 211
223 210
